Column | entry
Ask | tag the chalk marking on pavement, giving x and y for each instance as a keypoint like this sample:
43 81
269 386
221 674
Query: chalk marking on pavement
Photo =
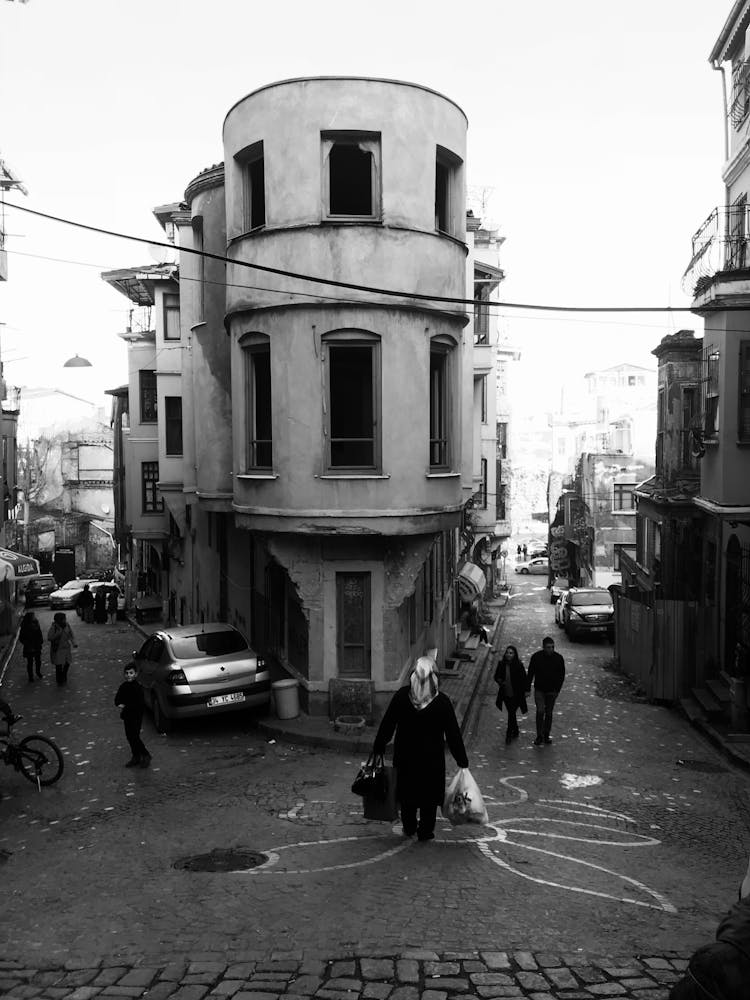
664 904
267 868
643 841
586 809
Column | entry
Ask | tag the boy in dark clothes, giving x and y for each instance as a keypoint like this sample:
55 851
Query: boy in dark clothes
129 699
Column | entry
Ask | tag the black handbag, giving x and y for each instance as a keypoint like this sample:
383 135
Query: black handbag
371 778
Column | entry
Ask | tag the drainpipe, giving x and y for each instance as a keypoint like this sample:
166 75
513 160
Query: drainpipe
717 66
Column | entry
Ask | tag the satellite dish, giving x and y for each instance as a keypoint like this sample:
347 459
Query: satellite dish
162 255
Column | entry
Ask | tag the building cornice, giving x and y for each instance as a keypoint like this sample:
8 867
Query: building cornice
212 177
734 24
728 511
737 163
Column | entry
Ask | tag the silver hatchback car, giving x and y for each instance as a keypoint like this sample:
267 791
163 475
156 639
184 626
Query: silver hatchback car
194 670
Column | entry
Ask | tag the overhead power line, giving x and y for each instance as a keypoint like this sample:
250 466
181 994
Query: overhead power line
375 290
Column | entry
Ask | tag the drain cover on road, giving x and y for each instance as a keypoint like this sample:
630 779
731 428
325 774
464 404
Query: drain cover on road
222 861
701 765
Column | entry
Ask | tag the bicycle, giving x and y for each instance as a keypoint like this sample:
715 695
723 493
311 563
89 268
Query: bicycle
38 758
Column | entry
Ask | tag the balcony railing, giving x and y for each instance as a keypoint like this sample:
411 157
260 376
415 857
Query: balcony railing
719 245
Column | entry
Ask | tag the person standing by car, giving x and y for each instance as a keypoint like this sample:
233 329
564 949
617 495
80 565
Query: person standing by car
85 604
31 639
61 645
547 674
129 699
100 606
112 596
422 719
511 676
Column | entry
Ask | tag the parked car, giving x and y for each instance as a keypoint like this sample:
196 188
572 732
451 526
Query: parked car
537 553
194 670
560 608
67 596
558 588
539 565
39 588
589 611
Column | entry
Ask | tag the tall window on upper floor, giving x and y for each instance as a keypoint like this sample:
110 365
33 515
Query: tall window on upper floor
710 393
147 393
689 406
483 485
252 164
256 354
447 191
743 422
353 376
483 399
151 502
501 432
351 175
737 235
623 496
440 403
173 424
171 317
200 266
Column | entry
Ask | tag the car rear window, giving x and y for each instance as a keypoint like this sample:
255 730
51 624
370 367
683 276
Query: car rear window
190 647
590 597
73 585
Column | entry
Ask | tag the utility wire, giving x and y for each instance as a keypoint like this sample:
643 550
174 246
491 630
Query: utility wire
417 296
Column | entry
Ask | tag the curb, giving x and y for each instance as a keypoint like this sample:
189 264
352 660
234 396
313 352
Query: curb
714 737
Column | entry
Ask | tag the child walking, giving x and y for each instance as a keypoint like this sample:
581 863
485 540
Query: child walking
129 699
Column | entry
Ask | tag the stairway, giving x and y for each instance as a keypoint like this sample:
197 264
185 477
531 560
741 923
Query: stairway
711 701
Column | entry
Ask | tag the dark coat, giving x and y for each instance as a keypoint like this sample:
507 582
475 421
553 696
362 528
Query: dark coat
517 679
30 636
721 968
130 700
418 749
100 606
546 672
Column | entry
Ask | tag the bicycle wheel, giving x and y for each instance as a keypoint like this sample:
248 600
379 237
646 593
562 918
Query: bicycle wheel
41 760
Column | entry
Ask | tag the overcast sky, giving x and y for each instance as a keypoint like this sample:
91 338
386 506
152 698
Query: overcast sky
595 130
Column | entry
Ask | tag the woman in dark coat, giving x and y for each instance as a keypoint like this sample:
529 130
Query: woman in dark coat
86 604
422 718
100 606
511 676
31 639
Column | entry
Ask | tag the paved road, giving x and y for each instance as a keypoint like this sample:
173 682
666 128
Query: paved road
601 844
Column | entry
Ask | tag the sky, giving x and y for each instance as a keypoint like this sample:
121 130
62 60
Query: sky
595 143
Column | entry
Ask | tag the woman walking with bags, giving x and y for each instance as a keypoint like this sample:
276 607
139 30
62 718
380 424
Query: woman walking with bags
422 718
61 644
511 676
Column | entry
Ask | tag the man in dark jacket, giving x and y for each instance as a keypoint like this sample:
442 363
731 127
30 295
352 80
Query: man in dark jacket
547 674
722 970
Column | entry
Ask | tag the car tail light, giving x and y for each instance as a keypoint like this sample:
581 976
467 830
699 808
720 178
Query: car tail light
176 677
259 663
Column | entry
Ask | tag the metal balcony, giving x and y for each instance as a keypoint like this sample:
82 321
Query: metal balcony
720 245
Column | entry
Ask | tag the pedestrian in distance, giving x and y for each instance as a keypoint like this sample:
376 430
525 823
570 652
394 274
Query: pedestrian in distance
525 550
31 639
61 646
100 606
511 676
85 606
469 619
721 970
519 553
129 699
112 604
423 719
547 674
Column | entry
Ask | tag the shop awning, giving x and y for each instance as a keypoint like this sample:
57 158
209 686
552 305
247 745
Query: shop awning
471 582
16 566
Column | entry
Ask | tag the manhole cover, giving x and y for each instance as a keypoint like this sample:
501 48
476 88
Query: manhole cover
222 861
701 765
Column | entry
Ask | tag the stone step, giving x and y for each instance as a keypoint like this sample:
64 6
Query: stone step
691 708
706 700
718 689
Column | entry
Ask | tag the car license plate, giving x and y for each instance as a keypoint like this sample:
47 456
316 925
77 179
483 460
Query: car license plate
598 628
225 699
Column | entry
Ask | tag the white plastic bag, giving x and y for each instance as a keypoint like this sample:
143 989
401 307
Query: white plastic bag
463 801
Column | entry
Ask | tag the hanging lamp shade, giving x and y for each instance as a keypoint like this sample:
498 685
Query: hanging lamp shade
77 362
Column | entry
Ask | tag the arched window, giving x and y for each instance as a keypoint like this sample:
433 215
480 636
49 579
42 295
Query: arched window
256 368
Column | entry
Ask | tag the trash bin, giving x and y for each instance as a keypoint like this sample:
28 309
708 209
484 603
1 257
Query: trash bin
286 698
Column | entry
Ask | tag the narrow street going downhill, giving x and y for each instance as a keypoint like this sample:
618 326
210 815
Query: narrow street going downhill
626 837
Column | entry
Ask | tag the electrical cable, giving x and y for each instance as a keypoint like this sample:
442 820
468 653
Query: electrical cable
417 296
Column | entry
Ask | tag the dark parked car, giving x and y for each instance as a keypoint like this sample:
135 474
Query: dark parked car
190 670
39 588
588 611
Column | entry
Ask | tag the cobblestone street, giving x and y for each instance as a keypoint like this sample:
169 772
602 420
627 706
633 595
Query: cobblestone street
609 857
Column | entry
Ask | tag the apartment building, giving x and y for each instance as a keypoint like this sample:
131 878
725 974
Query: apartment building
297 457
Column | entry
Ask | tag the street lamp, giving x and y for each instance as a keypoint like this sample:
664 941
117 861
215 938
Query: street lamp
77 362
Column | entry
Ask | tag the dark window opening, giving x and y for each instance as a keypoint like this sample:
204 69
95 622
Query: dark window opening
353 624
438 409
173 424
352 412
171 317
259 420
442 196
350 171
255 188
152 503
483 487
624 496
147 390
743 424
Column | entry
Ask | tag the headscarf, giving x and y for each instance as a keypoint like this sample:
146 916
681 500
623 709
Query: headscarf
424 683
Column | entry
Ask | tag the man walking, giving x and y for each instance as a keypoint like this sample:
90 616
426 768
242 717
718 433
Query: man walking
547 673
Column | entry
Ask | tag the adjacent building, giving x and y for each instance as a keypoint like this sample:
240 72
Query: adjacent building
292 456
